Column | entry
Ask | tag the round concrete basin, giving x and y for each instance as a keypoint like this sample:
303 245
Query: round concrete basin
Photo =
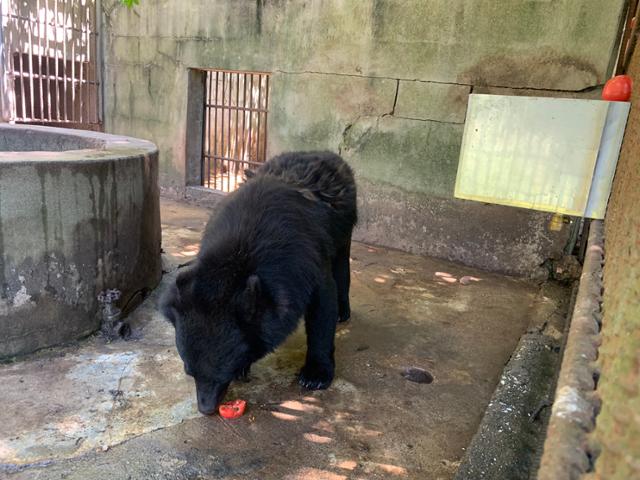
79 213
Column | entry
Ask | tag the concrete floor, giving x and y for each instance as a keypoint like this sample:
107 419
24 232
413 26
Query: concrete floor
125 410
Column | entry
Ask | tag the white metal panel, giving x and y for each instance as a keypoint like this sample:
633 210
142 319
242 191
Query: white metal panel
530 152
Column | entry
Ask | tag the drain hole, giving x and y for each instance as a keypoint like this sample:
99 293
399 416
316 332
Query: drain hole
417 375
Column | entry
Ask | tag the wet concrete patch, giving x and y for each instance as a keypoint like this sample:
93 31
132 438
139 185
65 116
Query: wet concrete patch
91 397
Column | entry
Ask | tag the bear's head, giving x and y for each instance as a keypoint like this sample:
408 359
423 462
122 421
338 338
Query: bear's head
213 311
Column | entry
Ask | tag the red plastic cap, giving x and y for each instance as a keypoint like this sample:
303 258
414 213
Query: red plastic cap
618 89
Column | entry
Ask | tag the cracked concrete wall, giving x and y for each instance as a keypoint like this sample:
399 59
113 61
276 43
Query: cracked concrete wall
384 83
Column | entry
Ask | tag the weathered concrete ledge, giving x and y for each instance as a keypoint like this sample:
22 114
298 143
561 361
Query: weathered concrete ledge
79 213
508 443
567 453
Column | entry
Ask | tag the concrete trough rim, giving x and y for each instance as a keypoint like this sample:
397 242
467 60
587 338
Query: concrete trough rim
108 147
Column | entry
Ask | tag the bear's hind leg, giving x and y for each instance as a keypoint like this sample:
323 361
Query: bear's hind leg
342 276
320 322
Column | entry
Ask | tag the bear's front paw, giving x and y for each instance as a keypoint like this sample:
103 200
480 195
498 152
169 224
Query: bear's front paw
316 376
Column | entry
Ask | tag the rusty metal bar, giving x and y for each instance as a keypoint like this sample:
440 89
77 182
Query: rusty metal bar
266 117
226 70
73 69
236 155
231 159
566 450
206 134
46 33
244 119
229 147
259 115
222 152
250 116
30 36
215 128
64 58
81 73
22 88
40 60
57 83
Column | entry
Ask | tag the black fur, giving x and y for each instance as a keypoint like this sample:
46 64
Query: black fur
277 250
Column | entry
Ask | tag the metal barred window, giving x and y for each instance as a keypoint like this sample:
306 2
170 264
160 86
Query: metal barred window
49 62
235 126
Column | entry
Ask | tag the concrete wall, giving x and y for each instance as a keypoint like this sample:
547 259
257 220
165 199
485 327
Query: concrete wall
383 82
618 425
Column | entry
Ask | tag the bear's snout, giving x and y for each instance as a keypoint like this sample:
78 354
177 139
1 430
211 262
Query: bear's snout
210 396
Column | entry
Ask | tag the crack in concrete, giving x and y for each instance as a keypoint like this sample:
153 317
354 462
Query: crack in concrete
395 98
428 120
437 82
177 61
108 427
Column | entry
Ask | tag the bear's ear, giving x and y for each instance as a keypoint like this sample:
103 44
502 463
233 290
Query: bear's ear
249 173
170 304
252 294
184 284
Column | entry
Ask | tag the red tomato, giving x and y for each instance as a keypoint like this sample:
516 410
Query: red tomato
233 409
618 89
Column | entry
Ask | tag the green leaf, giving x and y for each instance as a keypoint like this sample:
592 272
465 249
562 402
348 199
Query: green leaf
130 3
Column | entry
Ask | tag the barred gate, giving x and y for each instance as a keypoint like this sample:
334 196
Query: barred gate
49 64
235 126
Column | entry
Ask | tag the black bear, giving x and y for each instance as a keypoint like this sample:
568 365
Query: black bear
276 250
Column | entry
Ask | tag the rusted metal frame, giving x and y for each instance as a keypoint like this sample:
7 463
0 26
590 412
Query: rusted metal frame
566 450
225 70
261 110
230 141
